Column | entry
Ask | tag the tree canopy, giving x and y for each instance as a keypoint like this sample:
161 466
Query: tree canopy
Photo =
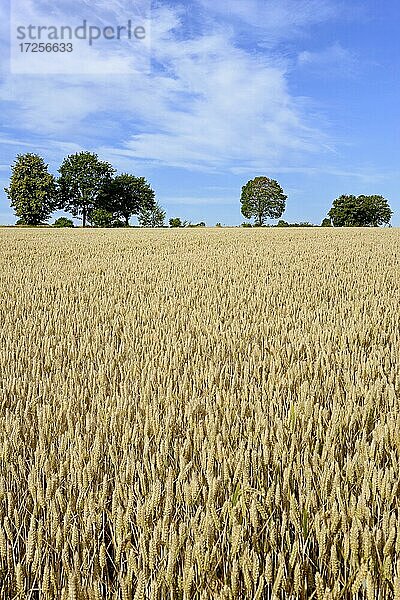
63 222
262 198
32 190
99 217
127 195
152 217
360 211
88 188
83 180
176 222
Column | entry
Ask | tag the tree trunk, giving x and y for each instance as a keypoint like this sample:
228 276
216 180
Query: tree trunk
126 220
84 216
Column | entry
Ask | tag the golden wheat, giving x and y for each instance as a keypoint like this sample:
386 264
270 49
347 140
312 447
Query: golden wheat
199 414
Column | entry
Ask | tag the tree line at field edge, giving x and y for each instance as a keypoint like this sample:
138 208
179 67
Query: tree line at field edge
90 190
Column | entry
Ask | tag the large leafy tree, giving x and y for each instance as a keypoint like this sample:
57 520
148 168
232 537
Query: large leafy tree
262 198
32 190
152 217
127 195
346 211
83 179
376 210
360 211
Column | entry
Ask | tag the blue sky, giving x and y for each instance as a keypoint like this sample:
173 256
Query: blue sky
303 91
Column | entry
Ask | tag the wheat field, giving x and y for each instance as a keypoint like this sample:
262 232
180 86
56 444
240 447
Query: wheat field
206 414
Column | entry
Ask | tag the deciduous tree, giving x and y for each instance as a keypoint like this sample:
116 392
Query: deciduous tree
360 211
83 179
127 195
152 217
32 190
262 198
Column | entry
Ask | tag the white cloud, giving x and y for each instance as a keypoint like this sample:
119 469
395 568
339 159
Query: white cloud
276 19
33 20
217 105
207 105
331 60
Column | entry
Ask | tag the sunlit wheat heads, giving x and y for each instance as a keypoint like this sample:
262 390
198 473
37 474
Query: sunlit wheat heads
206 414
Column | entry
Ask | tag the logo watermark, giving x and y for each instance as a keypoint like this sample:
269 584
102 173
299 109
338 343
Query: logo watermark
96 43
87 32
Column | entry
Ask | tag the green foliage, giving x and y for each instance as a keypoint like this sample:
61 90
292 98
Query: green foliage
201 224
262 198
99 217
152 217
63 222
82 182
360 211
32 190
127 195
175 222
282 223
246 225
218 225
118 223
326 222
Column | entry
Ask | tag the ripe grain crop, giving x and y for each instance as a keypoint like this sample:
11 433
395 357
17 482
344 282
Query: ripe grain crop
206 414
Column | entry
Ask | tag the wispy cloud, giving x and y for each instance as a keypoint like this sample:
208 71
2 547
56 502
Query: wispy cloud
274 20
93 51
208 104
216 105
332 60
360 174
